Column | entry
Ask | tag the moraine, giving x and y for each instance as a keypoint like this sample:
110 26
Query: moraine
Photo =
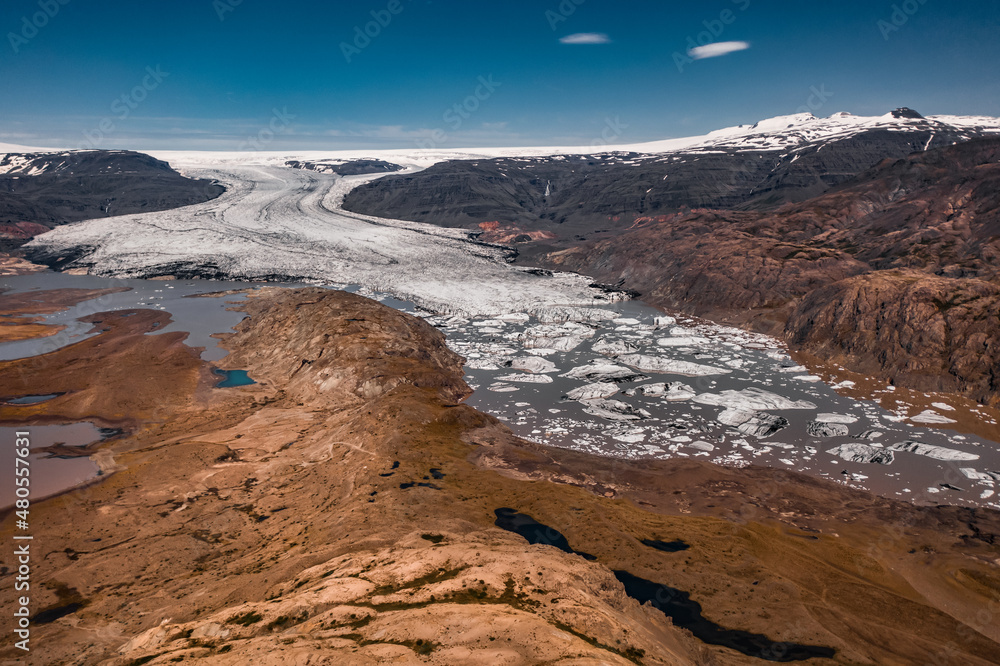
560 362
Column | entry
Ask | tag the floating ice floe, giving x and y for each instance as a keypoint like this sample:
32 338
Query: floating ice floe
614 347
932 451
846 419
559 315
808 378
749 422
863 453
501 388
791 368
751 398
672 391
600 370
561 337
526 379
515 318
593 391
614 410
930 416
630 436
664 322
820 429
683 341
702 446
971 473
533 364
671 366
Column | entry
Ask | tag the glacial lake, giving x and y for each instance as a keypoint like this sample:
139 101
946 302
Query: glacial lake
644 386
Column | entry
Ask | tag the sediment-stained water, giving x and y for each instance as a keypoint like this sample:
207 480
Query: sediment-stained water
626 381
51 472
623 380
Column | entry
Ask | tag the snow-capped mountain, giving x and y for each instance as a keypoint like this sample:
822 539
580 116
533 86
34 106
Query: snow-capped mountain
579 192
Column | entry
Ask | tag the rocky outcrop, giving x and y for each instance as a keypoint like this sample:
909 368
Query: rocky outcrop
896 273
49 189
345 167
342 510
928 332
565 198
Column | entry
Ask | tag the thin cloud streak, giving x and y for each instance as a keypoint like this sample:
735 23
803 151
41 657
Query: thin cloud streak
586 38
717 49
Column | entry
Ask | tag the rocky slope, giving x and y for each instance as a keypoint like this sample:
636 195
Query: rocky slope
41 190
348 509
571 197
355 167
895 272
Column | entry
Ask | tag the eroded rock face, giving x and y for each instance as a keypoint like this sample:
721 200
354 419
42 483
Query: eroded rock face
341 511
895 273
933 333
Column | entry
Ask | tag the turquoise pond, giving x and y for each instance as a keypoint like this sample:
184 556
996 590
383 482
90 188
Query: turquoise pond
232 378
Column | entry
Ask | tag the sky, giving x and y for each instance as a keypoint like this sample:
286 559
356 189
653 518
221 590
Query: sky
345 74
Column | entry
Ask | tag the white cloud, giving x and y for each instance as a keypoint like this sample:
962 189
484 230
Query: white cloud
586 38
717 49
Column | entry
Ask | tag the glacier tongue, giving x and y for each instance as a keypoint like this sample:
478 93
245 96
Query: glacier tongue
279 223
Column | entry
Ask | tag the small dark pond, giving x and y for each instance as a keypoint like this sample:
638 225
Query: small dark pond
675 604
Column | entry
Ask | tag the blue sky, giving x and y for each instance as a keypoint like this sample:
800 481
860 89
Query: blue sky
217 74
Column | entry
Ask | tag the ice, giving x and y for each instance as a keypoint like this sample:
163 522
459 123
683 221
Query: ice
672 391
752 398
930 416
599 370
758 424
683 341
671 366
613 347
592 391
526 379
280 222
561 337
932 451
533 364
862 453
579 315
614 410
846 419
820 429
